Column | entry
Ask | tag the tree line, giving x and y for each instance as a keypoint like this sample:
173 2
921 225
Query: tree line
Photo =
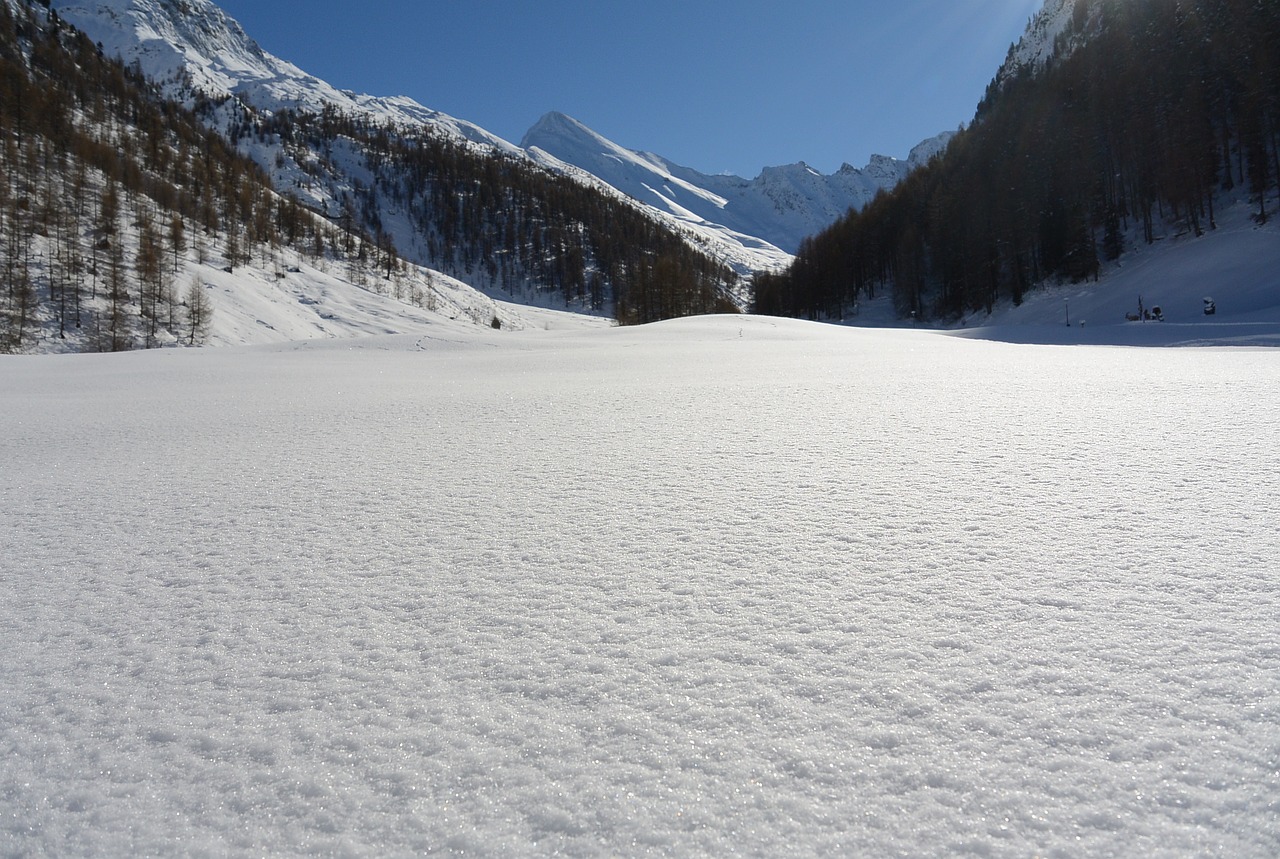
1153 110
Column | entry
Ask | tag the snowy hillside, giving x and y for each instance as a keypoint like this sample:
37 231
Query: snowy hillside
108 262
307 302
715 587
1039 44
782 205
295 298
170 39
1236 265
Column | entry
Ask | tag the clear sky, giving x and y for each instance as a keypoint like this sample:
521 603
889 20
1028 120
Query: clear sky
717 85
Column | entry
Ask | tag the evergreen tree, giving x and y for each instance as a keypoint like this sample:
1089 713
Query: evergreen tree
199 312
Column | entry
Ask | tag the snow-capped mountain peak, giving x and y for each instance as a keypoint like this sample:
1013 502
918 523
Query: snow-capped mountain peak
173 37
642 175
175 41
782 205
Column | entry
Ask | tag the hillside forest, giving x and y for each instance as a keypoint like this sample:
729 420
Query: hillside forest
1152 111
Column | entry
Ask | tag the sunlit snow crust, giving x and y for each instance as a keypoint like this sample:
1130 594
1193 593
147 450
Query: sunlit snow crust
713 587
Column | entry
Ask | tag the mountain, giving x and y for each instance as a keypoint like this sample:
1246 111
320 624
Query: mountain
439 191
782 205
126 222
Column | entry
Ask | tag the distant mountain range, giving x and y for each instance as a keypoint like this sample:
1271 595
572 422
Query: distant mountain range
781 206
756 224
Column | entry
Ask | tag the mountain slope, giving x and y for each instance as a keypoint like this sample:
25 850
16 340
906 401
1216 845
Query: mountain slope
782 205
125 223
1039 44
181 42
439 191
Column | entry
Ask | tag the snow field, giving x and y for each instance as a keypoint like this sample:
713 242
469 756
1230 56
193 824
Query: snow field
726 586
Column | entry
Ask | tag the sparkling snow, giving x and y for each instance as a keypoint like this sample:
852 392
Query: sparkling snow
726 586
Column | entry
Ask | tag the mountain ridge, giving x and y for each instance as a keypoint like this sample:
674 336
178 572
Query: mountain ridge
783 204
194 43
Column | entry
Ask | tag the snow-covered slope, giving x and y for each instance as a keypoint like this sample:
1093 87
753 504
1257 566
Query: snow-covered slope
1038 44
1236 265
194 39
782 205
295 298
308 303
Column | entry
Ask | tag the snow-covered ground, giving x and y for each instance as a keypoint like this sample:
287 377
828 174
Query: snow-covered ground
725 586
1236 265
259 307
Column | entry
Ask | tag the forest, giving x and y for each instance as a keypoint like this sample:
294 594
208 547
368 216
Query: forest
1151 112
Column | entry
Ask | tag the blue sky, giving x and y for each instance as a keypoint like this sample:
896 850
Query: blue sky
710 84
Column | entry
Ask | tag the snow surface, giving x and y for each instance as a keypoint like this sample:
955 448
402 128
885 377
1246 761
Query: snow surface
720 586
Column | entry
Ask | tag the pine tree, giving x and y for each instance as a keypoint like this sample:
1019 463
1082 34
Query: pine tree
116 328
150 273
199 311
177 237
